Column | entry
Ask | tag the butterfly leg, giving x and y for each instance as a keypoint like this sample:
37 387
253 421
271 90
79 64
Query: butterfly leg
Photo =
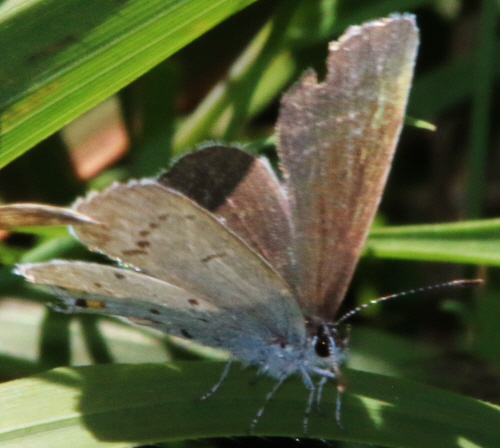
340 388
320 385
340 391
269 396
218 383
310 386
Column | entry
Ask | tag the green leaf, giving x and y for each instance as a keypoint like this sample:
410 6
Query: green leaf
483 82
461 242
117 405
61 57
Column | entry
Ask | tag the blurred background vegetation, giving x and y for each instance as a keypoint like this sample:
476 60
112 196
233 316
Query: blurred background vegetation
94 101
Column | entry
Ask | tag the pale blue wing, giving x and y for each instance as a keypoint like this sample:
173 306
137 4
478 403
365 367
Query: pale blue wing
168 236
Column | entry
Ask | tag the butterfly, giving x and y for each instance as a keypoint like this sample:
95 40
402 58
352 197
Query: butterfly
221 251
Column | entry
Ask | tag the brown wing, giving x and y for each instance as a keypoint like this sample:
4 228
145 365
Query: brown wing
31 215
337 140
244 193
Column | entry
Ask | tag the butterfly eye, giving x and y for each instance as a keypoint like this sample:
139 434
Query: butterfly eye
322 347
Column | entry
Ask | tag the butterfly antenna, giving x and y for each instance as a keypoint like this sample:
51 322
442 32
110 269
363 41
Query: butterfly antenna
452 284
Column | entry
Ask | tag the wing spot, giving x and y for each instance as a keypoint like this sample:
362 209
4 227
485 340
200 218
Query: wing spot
134 252
97 285
119 276
153 225
203 319
190 217
144 233
81 303
154 311
90 304
163 217
211 257
143 244
186 334
193 302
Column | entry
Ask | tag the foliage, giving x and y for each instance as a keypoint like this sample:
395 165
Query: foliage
182 76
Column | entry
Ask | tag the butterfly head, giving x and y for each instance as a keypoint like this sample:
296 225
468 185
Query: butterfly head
328 344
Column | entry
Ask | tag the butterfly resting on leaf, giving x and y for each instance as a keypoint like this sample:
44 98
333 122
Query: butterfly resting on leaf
220 251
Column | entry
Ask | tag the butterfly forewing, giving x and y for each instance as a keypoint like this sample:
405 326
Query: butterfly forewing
336 143
167 236
244 192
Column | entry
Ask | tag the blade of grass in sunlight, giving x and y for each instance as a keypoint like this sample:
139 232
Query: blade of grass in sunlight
461 242
117 405
63 57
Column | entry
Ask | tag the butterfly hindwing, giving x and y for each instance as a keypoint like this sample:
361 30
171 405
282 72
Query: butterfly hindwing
101 289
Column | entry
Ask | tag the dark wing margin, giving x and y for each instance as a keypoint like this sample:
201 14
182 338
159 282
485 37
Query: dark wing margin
336 143
244 193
